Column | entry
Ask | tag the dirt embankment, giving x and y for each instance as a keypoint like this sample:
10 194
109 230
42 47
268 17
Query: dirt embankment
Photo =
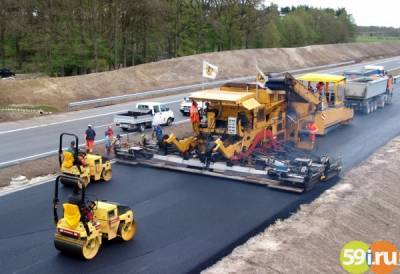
364 206
57 92
49 165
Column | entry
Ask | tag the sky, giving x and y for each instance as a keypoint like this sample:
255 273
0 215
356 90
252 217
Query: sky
365 12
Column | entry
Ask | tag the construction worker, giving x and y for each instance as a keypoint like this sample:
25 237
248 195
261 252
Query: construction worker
320 87
108 140
109 132
195 117
312 127
69 156
90 135
158 133
108 144
71 148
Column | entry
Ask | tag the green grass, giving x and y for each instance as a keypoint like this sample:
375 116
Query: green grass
362 38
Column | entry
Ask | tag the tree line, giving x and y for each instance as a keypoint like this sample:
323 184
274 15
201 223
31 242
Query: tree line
378 31
70 37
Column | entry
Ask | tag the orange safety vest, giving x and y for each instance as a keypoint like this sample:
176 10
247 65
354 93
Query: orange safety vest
194 114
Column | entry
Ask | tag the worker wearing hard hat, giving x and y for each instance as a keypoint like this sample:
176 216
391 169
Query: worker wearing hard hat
109 137
90 135
195 118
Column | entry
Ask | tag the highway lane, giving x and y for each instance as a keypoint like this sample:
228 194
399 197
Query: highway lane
38 137
185 222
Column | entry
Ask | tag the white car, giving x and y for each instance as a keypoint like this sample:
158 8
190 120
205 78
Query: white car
186 104
145 114
162 115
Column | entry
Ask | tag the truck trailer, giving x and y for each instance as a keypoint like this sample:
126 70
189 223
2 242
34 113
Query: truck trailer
368 89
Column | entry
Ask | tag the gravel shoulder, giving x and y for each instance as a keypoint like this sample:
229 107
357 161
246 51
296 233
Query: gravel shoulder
364 206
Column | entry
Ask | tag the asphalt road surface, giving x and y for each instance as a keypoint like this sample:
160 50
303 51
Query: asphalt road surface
185 222
35 138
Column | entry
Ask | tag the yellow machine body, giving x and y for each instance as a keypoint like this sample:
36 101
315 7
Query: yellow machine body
109 221
243 111
95 168
329 106
250 113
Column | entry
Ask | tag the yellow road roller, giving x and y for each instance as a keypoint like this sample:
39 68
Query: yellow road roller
85 223
86 166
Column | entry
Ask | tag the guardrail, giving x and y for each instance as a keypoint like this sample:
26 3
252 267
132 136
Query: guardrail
156 92
167 91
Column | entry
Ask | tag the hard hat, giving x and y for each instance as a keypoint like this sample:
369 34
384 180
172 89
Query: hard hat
89 125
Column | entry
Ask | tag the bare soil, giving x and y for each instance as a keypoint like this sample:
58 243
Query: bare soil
15 116
49 165
364 206
57 92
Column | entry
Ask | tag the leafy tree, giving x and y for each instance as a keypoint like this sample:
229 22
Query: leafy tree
81 36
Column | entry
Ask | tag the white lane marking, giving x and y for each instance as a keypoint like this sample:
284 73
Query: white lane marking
11 189
52 152
105 125
28 157
77 119
62 122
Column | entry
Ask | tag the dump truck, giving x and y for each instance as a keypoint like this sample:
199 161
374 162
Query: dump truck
243 134
368 89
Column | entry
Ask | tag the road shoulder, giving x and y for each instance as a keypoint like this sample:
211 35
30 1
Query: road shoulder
363 206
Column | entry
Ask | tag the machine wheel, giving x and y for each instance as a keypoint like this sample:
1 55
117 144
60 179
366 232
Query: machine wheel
169 122
127 230
141 127
90 248
372 107
383 103
367 108
389 99
106 175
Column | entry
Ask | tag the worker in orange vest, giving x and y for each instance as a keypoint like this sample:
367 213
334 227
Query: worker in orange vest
195 117
312 127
